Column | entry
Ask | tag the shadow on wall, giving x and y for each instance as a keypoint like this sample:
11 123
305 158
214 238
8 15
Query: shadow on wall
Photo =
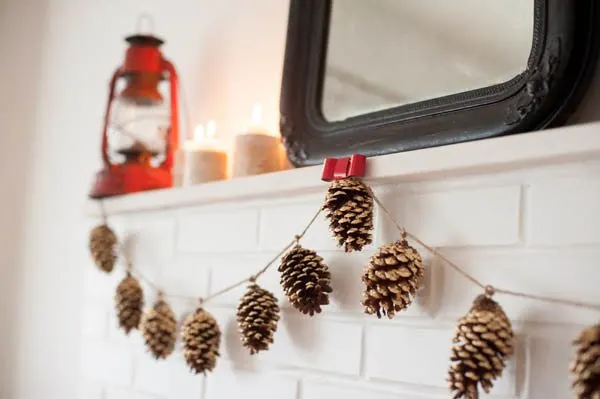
22 25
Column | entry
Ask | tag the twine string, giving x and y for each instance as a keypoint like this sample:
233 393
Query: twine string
250 279
489 289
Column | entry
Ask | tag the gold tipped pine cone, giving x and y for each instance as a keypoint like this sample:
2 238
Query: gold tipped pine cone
159 327
257 316
305 279
201 338
484 340
129 302
585 369
349 208
103 247
392 278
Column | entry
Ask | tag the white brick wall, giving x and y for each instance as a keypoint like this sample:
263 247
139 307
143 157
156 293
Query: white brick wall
534 230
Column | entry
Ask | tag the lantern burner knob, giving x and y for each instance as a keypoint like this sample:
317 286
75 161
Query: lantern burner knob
138 152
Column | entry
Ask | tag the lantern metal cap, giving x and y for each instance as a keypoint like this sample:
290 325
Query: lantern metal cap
144 40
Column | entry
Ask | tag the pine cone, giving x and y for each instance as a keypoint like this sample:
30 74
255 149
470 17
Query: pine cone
257 316
349 208
159 328
305 280
585 369
201 340
483 341
129 302
392 279
103 243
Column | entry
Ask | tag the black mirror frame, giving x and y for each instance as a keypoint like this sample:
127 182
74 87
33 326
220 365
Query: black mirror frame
561 64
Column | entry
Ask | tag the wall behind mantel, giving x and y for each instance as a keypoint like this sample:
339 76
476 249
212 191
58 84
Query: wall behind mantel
57 58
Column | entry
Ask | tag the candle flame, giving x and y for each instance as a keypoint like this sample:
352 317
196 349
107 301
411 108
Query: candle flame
211 129
199 133
257 113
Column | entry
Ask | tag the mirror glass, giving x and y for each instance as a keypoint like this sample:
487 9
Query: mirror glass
385 53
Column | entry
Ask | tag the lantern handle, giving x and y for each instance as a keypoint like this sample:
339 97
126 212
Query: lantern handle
173 139
111 97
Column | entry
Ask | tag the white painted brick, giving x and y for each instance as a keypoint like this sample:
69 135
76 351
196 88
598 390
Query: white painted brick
218 231
151 375
169 378
107 362
187 276
91 391
564 212
122 393
317 344
226 382
300 341
314 390
99 286
95 320
152 243
230 269
565 273
279 224
551 354
385 345
477 217
182 382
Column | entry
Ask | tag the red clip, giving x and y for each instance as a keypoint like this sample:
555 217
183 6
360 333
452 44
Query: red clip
342 168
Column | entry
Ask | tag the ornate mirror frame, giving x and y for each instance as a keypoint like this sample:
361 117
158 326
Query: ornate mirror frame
560 66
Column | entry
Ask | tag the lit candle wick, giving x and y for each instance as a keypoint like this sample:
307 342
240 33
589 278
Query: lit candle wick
211 129
257 114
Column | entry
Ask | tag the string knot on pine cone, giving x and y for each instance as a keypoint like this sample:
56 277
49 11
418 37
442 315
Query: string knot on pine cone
349 208
305 280
103 247
201 338
483 341
585 369
392 277
257 316
159 327
129 302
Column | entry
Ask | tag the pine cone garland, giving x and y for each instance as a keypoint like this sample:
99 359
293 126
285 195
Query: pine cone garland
585 369
129 301
201 340
103 243
392 278
305 280
257 316
483 341
159 328
349 208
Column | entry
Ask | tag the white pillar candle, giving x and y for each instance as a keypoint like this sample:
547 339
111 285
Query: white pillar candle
256 151
203 161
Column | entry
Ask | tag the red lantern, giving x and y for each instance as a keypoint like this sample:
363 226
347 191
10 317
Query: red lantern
141 127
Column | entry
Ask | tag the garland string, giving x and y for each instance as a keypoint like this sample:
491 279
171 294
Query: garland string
489 289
